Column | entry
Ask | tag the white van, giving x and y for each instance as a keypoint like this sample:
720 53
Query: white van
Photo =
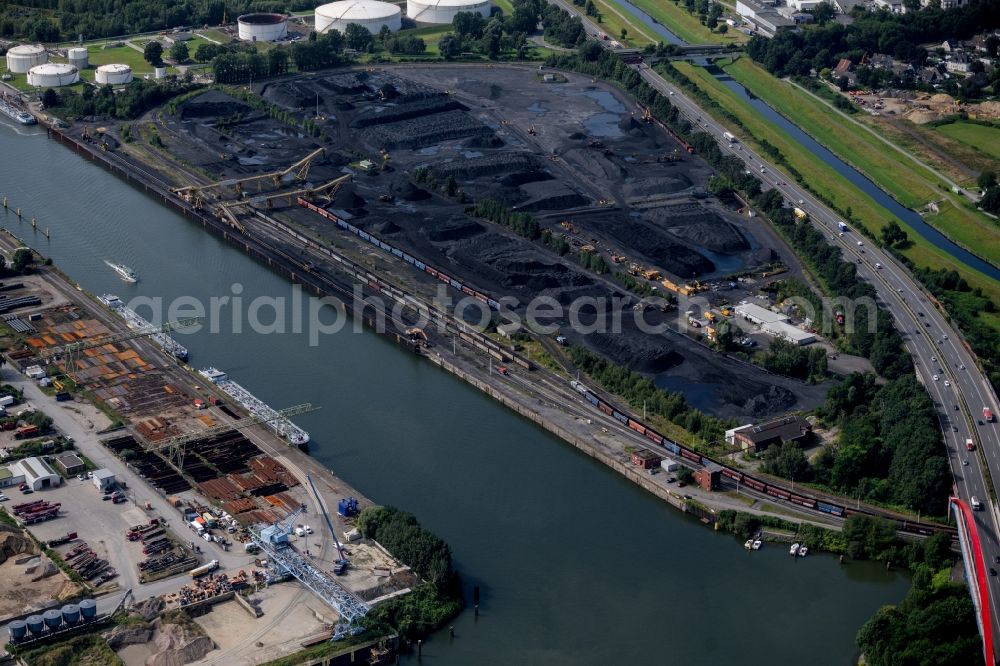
976 506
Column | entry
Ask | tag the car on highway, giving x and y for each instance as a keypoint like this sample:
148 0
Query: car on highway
965 462
860 243
979 421
934 358
947 383
878 265
936 378
993 572
956 408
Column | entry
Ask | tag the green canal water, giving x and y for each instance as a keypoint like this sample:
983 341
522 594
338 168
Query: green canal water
576 565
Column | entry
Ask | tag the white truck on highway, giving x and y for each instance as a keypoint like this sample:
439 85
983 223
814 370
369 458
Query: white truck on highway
729 137
842 226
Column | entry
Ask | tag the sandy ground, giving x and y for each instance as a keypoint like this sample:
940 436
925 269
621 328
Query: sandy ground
278 632
18 594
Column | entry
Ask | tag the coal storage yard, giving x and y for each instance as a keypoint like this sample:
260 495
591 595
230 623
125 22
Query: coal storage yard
569 150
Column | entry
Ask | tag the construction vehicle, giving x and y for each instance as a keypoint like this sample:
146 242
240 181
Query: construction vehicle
651 274
532 131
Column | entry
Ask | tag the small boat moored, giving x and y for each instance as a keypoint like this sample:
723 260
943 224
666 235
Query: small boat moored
757 544
749 544
794 550
803 550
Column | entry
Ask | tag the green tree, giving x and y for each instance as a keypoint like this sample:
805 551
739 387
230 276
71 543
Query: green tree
685 475
358 37
987 179
893 234
153 53
788 461
21 260
50 98
179 52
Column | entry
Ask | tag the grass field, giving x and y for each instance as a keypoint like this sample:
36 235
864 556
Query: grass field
909 183
613 19
959 161
824 180
980 137
686 26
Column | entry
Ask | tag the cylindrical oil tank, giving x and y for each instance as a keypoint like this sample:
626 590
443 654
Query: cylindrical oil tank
262 27
20 59
78 57
53 75
53 618
115 75
88 609
35 624
160 72
370 14
17 629
71 613
442 12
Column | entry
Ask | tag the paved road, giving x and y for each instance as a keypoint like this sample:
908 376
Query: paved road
942 362
945 366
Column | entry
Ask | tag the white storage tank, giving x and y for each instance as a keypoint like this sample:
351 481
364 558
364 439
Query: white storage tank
20 59
78 57
442 12
262 27
115 75
370 14
160 72
53 75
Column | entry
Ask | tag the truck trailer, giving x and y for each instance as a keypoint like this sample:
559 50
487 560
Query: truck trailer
206 568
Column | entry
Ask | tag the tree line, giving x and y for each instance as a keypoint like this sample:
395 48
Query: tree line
641 392
132 101
899 35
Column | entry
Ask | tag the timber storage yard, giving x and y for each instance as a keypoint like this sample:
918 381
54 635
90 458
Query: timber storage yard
348 208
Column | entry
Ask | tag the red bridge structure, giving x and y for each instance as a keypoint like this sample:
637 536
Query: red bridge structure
975 573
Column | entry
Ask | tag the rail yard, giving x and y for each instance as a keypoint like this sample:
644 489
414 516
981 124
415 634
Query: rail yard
574 153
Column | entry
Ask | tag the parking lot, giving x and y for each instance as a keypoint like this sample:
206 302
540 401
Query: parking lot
101 524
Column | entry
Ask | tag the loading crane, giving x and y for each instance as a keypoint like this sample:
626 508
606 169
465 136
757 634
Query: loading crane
176 447
228 211
340 566
71 352
273 540
300 171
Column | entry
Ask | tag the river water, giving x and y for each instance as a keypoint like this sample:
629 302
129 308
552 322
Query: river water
576 565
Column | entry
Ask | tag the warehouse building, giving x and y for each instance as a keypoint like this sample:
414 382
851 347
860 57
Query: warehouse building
757 438
785 331
35 472
71 463
758 315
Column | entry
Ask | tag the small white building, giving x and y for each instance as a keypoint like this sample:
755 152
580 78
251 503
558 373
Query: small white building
34 372
785 331
731 433
104 480
509 329
36 473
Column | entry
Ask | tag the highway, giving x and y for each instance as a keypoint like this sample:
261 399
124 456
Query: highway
942 361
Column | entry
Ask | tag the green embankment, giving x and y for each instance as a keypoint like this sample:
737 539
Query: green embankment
614 18
908 182
678 21
825 181
981 137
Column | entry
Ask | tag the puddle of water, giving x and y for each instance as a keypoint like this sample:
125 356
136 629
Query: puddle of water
698 395
603 124
607 101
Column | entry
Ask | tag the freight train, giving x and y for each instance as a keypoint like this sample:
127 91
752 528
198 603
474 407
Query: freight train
767 487
405 256
479 341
